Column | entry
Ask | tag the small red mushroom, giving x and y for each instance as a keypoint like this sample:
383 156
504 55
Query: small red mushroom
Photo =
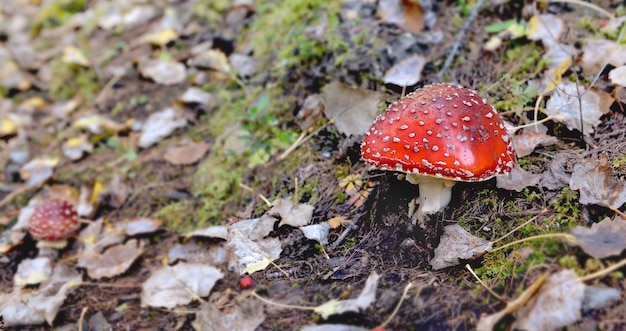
53 220
438 135
246 282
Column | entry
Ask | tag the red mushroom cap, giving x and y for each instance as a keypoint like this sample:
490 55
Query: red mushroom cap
440 130
53 220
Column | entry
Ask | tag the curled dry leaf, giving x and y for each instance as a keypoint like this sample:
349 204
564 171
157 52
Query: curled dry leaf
160 125
42 305
569 102
163 72
186 155
317 232
291 214
32 271
603 239
593 178
139 226
457 244
517 179
245 314
114 261
352 109
408 15
311 111
407 72
38 171
178 285
526 142
364 300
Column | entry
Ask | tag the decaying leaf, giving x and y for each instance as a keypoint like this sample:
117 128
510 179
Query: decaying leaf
599 52
217 231
88 201
317 232
98 124
178 285
618 76
557 304
553 301
163 72
311 111
114 261
338 221
569 102
194 251
599 297
556 177
187 154
352 109
196 95
138 226
244 65
38 171
291 214
42 305
408 15
75 148
160 125
332 327
32 271
245 314
455 245
526 142
603 239
116 192
211 59
406 72
364 300
250 256
547 28
593 178
517 179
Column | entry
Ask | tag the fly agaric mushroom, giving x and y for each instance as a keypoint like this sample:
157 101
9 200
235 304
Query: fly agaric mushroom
438 135
52 222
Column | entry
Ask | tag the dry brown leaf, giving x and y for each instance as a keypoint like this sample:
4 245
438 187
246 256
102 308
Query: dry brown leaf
406 72
598 52
593 178
352 109
407 14
114 261
141 225
547 27
243 315
187 154
603 239
569 102
455 245
526 142
163 72
338 221
517 180
292 214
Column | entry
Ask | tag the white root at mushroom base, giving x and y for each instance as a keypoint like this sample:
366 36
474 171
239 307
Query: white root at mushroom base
438 135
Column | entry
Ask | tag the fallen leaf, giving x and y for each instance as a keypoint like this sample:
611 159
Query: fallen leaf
317 232
244 65
38 171
161 37
312 110
592 177
160 125
245 314
73 55
599 297
598 52
526 142
250 256
333 327
406 72
566 106
338 221
291 214
352 109
178 285
187 154
95 238
98 124
138 226
556 177
32 271
116 193
217 231
364 300
406 14
546 27
517 180
114 261
557 304
457 244
196 95
75 148
163 72
617 76
88 200
211 59
42 305
193 251
603 239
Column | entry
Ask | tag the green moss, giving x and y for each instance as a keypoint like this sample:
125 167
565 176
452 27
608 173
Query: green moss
567 209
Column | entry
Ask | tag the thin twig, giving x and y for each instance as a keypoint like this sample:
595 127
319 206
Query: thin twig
396 309
468 267
459 40
353 226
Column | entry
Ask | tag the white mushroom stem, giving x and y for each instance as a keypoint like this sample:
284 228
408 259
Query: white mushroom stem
435 195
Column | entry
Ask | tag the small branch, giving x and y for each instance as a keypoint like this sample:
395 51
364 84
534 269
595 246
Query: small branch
459 40
345 233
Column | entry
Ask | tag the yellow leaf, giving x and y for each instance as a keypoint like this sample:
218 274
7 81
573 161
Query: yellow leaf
338 221
533 25
34 104
95 192
557 74
73 55
7 127
162 38
74 142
